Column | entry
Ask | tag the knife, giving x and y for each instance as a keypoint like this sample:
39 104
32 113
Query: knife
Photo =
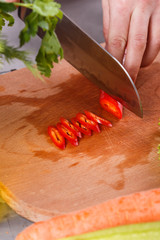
96 63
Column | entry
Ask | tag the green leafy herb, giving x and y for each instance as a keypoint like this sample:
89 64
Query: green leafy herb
44 14
8 53
7 7
4 8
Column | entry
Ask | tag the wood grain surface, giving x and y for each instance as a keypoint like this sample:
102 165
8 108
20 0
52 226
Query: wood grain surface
40 181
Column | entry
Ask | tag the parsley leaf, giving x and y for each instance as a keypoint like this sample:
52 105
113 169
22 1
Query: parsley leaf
44 14
30 29
49 52
8 53
8 18
46 8
7 7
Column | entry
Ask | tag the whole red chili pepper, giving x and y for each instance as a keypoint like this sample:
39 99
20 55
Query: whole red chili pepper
98 119
110 104
71 127
56 137
88 122
70 136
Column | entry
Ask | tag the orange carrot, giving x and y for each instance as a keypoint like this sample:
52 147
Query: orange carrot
133 208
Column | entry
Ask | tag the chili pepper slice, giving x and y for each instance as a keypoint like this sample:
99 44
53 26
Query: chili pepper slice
71 127
56 137
70 136
83 129
98 119
110 104
87 122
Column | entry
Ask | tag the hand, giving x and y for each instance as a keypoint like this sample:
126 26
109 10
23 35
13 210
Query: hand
132 32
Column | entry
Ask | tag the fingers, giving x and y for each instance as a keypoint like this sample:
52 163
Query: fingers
153 43
137 40
105 8
132 25
118 29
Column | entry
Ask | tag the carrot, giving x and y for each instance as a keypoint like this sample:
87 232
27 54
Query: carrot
134 208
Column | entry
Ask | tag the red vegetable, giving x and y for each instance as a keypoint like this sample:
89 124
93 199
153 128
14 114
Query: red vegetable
56 137
133 208
70 136
71 127
83 129
110 104
87 122
98 119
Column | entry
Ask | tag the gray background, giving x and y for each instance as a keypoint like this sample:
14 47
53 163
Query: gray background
88 15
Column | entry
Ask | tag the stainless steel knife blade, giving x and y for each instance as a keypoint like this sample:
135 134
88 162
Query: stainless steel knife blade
95 63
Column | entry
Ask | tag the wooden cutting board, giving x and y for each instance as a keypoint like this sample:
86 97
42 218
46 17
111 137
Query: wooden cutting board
40 181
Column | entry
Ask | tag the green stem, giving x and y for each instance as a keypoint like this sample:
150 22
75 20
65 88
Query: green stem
140 231
27 5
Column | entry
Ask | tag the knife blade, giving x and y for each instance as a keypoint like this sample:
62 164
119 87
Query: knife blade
96 64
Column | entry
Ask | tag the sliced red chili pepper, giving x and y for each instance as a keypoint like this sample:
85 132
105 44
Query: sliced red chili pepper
110 104
81 127
70 136
87 122
56 137
71 127
98 119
